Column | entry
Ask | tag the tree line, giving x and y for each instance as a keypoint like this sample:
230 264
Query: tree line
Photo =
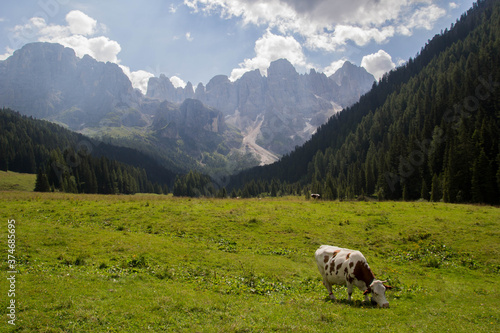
69 162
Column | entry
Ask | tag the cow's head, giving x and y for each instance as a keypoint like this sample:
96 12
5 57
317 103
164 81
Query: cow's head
378 288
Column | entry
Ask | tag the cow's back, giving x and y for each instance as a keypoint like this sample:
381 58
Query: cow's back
325 253
336 263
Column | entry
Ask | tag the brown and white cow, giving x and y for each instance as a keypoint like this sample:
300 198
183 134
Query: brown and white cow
349 268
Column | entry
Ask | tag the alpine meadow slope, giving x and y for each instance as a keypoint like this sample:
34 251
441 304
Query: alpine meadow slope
429 129
130 263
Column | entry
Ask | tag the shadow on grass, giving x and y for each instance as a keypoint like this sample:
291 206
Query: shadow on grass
354 303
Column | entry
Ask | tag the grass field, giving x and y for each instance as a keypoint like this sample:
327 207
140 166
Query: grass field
13 181
89 263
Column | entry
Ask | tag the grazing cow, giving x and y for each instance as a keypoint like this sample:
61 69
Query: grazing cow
349 268
315 195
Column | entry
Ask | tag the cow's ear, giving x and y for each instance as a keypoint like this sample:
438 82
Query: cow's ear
387 287
367 291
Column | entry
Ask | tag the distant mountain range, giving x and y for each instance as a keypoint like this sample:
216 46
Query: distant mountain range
278 111
232 125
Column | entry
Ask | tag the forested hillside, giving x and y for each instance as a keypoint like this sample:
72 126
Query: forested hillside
71 162
429 129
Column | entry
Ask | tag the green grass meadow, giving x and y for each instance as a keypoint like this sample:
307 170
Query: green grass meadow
14 181
91 263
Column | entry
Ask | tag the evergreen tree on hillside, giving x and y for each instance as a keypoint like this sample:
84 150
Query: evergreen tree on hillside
42 182
194 184
28 145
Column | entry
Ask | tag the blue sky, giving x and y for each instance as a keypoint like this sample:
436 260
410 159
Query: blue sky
194 40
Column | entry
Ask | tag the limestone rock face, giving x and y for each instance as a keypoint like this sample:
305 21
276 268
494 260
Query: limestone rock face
221 94
162 88
49 81
285 107
191 116
194 127
353 81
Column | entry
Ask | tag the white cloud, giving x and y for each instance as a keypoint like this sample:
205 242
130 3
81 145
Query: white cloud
189 37
401 62
80 24
268 48
328 24
453 5
7 54
424 17
333 67
177 82
343 33
78 34
172 9
378 63
100 48
139 79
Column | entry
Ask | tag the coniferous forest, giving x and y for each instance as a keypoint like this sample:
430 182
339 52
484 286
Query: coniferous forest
429 129
70 162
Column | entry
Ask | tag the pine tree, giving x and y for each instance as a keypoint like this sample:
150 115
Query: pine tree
274 188
405 193
482 175
435 189
42 182
424 192
157 188
179 188
498 171
222 193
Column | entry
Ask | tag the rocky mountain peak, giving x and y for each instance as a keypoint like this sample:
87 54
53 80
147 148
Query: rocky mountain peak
281 68
353 81
217 81
49 81
352 73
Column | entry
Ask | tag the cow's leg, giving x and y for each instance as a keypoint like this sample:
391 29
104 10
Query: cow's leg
367 300
349 291
329 288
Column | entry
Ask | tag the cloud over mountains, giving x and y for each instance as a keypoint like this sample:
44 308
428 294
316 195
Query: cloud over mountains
321 25
83 34
300 31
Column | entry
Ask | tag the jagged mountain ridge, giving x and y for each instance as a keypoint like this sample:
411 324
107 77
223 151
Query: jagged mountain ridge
286 107
274 112
49 81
